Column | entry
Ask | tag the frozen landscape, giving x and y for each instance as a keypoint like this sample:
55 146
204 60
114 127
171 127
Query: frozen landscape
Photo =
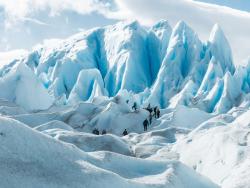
52 98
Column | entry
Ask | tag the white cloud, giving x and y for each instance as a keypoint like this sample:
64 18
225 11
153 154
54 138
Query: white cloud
19 10
200 16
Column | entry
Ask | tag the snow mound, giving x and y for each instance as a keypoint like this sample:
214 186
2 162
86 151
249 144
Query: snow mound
8 108
224 147
147 144
114 118
180 117
146 170
89 142
54 125
26 162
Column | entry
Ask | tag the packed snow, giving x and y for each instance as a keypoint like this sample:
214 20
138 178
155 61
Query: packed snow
82 112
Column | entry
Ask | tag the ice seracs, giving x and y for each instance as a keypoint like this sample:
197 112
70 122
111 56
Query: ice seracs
127 58
159 65
182 54
157 43
20 85
89 84
221 49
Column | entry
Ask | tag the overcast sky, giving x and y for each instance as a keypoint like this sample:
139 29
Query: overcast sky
24 23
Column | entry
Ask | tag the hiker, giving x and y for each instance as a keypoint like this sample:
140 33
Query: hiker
95 131
104 132
149 106
134 107
127 101
149 109
155 110
150 118
125 132
145 124
158 113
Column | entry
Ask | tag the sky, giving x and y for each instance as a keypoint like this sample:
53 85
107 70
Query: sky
243 5
25 23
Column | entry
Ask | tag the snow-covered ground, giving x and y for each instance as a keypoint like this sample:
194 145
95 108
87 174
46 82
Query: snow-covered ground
53 98
48 149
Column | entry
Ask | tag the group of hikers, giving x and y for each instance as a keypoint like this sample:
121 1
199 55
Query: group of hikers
153 112
97 132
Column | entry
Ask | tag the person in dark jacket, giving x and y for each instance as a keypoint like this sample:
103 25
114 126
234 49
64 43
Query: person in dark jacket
149 109
104 132
149 106
155 111
145 124
150 118
125 132
134 107
158 113
96 132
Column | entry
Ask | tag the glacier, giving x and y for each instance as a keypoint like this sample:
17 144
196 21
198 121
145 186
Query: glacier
52 98
162 65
